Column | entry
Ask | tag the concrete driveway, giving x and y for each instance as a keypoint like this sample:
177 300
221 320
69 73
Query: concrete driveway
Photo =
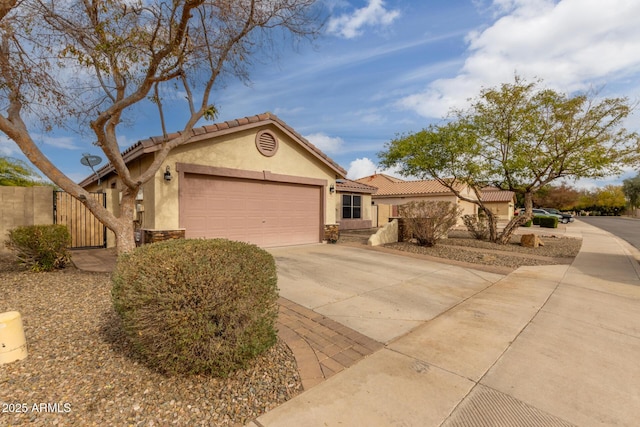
543 346
380 295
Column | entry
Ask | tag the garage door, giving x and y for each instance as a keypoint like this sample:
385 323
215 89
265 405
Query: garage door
259 212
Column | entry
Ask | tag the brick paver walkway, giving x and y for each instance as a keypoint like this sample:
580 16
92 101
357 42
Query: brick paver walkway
322 347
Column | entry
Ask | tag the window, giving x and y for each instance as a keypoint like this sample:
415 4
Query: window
351 206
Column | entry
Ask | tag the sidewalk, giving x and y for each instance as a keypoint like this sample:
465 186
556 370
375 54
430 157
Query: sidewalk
552 345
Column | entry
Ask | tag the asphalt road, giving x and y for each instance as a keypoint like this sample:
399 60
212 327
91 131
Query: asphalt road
623 227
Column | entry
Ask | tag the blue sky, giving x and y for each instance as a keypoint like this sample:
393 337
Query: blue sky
384 67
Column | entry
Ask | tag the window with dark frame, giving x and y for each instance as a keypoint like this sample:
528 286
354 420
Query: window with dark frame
351 206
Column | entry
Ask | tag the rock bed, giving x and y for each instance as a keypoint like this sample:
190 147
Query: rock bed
460 246
80 370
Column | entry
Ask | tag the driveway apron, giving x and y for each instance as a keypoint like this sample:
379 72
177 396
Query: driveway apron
542 346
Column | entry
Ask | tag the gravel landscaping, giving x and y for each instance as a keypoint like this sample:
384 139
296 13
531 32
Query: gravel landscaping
80 364
460 246
81 371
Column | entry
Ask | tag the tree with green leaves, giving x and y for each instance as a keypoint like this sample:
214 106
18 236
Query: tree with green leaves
631 189
519 137
16 173
89 65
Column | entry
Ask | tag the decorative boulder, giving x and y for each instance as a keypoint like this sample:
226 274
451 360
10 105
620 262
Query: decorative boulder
531 241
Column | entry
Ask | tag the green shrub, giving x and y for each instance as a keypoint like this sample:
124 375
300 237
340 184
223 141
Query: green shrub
549 222
197 306
41 247
536 220
527 224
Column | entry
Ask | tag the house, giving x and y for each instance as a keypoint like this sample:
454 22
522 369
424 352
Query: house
395 191
354 205
253 179
502 203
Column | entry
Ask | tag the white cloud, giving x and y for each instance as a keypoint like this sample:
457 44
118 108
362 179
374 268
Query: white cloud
63 142
351 25
361 167
326 143
570 44
8 148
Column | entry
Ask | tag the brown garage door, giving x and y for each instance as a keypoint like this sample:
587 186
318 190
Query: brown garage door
259 212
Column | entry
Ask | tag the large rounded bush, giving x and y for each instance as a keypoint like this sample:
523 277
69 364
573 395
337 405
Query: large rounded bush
197 306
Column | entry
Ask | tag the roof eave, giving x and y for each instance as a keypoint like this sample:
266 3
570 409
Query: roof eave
151 145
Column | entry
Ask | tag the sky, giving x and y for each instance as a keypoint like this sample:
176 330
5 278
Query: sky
387 67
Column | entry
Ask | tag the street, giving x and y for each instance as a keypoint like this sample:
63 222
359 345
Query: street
624 227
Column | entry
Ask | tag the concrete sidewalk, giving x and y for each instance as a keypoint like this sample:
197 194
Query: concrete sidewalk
552 345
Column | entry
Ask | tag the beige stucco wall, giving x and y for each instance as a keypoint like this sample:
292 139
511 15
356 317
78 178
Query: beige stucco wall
236 151
24 206
504 210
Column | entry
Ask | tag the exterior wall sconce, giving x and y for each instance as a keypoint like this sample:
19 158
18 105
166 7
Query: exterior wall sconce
167 174
332 189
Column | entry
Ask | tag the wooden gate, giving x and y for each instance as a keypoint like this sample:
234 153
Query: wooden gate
86 230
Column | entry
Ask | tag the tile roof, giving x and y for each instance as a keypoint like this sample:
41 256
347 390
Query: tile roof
347 185
152 144
391 186
496 195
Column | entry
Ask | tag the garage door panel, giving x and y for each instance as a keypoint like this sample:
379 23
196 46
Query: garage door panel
259 212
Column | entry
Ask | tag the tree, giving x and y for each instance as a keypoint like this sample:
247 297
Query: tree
631 189
89 64
519 137
562 197
16 173
610 199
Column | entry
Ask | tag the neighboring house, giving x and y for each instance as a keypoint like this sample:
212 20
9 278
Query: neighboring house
253 179
501 202
395 191
353 207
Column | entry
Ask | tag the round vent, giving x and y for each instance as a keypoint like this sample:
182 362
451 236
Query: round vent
267 143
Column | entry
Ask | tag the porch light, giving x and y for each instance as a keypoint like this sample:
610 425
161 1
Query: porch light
167 174
332 189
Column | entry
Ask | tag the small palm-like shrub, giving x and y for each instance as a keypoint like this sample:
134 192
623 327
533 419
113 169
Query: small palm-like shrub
41 247
197 306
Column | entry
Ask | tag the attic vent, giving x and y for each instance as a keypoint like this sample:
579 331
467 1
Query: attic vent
267 143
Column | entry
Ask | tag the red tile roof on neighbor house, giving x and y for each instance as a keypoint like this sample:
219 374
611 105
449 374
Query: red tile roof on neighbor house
349 186
391 186
154 143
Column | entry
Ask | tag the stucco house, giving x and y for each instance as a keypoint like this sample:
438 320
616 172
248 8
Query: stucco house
395 191
501 202
354 205
253 179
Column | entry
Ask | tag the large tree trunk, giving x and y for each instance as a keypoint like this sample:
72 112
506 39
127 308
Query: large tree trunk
492 224
512 226
123 227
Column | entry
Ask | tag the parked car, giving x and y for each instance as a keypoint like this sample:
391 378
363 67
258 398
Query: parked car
542 212
566 218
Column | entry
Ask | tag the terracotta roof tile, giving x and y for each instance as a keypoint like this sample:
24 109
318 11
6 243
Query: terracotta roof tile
347 185
497 195
391 186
